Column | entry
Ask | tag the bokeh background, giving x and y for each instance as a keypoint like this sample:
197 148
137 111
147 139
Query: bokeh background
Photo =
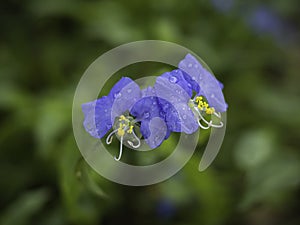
252 47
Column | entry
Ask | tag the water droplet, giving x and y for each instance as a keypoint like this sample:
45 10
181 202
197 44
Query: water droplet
154 103
129 90
174 98
189 85
173 79
190 65
105 110
183 108
196 66
146 115
212 95
184 117
117 95
193 78
156 138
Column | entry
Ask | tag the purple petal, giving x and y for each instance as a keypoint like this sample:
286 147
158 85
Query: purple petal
156 130
180 118
146 108
209 85
173 100
149 91
177 77
125 94
172 92
148 111
97 117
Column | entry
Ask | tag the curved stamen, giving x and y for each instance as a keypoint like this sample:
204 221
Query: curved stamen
201 126
138 140
121 149
210 123
217 125
217 114
110 137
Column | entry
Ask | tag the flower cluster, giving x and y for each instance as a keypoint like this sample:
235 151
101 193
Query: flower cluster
179 101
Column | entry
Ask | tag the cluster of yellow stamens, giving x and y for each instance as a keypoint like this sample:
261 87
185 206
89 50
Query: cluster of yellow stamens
204 106
123 126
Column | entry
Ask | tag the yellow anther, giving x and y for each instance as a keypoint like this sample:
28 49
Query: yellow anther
122 118
121 132
204 106
129 131
198 99
210 111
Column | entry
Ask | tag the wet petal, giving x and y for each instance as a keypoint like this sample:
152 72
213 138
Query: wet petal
209 85
146 108
172 92
177 77
125 94
97 117
173 100
155 131
180 118
149 91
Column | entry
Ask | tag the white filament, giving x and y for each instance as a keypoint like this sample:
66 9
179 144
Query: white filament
110 137
138 140
121 149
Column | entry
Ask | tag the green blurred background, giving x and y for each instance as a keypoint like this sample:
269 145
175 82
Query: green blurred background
252 47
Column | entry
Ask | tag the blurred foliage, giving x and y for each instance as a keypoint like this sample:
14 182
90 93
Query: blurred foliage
252 47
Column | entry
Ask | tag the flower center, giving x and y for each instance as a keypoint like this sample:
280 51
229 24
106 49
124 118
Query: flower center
124 129
200 107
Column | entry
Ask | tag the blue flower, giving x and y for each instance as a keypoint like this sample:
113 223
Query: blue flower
112 111
178 86
99 115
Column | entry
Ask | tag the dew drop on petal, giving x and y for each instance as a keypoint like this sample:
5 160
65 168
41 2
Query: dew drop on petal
173 79
129 90
156 138
190 65
196 66
146 115
117 95
184 117
193 78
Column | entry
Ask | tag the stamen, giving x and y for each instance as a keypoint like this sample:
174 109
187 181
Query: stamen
138 140
217 114
203 127
210 123
121 149
110 137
